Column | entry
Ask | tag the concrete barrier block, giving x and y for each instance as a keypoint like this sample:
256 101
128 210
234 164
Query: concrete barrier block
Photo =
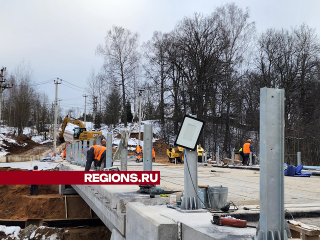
3 159
143 222
116 235
22 158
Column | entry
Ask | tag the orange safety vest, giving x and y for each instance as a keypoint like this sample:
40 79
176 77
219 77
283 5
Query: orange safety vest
246 148
36 170
138 149
153 153
98 150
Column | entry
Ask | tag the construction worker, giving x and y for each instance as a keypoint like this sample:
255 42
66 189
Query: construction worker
241 155
247 149
153 155
138 153
34 188
96 154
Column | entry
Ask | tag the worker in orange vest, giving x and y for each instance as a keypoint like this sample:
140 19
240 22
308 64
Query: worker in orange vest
96 154
153 155
34 188
247 149
138 153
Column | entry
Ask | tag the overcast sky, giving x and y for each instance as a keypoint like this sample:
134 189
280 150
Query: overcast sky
59 37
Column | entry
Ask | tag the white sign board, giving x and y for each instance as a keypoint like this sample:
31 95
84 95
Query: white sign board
189 133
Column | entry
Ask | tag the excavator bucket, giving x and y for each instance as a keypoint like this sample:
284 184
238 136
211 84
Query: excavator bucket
60 140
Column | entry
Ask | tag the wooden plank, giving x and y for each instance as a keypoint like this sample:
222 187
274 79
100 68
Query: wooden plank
304 231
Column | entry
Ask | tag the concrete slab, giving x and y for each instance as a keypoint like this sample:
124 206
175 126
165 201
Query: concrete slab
199 226
144 222
243 186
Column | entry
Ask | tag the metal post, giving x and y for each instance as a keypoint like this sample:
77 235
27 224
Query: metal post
109 150
298 158
68 153
83 162
272 122
124 152
90 142
202 157
205 157
147 147
190 180
217 157
250 157
85 107
80 154
139 116
232 157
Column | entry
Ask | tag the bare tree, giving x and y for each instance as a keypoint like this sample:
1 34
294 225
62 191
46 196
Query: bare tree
120 58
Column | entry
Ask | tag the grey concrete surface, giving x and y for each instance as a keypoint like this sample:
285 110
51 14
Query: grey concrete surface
116 235
301 195
145 222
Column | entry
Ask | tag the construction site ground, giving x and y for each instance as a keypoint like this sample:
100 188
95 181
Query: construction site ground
301 194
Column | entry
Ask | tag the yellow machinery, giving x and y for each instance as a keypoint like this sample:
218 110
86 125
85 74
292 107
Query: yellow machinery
80 132
176 154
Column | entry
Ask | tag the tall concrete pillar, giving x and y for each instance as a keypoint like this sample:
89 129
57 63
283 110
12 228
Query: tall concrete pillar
147 147
109 150
217 156
68 153
98 141
232 157
190 180
124 152
84 158
80 154
298 158
90 142
272 221
76 153
73 152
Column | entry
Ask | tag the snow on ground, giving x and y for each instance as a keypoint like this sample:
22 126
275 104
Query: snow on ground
11 232
30 165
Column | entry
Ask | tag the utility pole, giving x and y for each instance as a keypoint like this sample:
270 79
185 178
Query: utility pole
85 107
94 107
140 92
56 82
3 86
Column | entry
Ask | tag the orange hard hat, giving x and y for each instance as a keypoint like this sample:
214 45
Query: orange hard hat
249 140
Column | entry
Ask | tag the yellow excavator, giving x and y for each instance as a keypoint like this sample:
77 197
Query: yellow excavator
175 154
79 133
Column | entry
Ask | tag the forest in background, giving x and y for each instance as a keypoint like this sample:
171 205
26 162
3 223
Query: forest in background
212 66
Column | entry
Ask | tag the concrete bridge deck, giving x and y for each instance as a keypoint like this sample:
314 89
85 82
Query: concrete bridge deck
131 215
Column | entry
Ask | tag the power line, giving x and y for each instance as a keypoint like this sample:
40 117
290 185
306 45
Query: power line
76 89
74 85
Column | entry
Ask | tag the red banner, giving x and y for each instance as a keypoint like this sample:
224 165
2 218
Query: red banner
79 177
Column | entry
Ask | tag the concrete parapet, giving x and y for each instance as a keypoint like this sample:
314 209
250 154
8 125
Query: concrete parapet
116 235
3 159
144 223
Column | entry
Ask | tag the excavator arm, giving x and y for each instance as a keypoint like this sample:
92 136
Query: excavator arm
67 120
